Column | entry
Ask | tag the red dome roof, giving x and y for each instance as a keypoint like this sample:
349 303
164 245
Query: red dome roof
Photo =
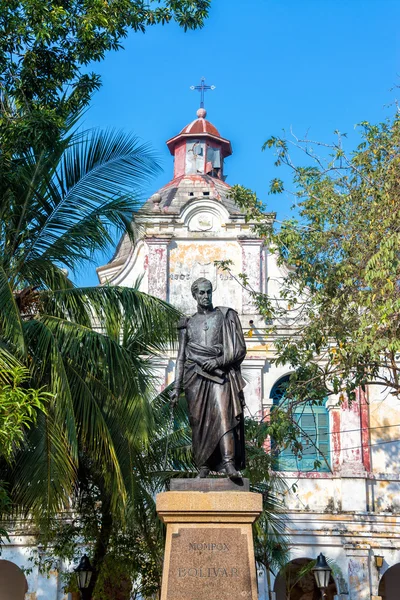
201 126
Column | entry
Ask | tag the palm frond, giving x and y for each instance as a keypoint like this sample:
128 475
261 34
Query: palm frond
42 273
94 232
97 181
44 473
92 348
93 351
10 320
48 366
149 324
8 361
96 437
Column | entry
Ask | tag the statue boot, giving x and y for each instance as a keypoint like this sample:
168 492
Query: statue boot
203 472
227 448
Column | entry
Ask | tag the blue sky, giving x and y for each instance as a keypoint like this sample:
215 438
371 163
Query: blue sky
311 65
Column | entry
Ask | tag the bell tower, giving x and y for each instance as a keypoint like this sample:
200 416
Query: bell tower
199 149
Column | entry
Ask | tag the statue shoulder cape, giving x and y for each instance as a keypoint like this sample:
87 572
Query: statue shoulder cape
225 310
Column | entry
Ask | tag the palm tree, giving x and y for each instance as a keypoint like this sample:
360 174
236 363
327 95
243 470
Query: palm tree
58 206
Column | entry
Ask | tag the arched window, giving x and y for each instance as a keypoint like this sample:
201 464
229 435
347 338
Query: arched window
13 585
295 582
313 424
389 584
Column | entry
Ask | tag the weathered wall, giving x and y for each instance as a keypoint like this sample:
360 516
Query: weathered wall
189 260
385 430
180 158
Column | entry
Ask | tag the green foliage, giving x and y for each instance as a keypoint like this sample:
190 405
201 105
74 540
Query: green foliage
122 551
60 206
271 542
18 408
126 547
5 508
46 46
341 254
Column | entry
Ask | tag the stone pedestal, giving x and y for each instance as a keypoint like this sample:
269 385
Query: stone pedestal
209 553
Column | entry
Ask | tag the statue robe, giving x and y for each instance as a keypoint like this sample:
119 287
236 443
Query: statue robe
215 400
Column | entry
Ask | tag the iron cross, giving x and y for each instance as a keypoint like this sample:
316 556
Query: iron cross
202 88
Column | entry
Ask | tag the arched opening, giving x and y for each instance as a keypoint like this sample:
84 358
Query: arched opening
296 582
390 583
13 585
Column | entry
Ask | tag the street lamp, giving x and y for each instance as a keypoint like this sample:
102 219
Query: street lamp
84 573
322 574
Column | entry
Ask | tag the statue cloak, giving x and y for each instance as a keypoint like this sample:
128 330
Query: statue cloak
215 400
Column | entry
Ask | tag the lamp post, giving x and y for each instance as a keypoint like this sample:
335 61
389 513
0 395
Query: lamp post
322 574
84 572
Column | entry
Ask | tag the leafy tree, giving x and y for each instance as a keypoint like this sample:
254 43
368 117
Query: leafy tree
18 411
18 408
46 47
341 291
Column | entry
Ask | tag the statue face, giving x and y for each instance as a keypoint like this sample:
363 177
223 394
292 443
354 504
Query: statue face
204 295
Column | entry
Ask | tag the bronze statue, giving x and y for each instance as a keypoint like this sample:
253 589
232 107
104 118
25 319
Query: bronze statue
211 350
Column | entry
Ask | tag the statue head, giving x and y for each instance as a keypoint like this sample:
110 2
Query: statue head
202 292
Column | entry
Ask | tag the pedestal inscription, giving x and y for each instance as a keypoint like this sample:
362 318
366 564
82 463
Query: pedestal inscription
210 563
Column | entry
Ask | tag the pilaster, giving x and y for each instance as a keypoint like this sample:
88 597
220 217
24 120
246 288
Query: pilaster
251 267
334 409
359 576
158 265
252 371
160 366
351 439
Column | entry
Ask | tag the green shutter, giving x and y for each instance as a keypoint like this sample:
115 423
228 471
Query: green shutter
314 423
323 439
314 437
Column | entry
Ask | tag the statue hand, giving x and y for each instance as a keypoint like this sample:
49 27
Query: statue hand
173 397
210 365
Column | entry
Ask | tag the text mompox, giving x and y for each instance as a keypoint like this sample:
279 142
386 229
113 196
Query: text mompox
211 547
